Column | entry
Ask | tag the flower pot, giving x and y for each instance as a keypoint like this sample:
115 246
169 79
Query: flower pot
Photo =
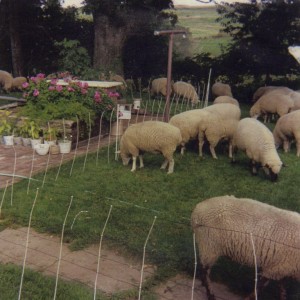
51 143
42 149
8 140
26 142
64 146
17 140
35 142
54 149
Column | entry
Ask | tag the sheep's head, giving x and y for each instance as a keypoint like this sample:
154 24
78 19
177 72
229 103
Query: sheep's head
255 111
273 169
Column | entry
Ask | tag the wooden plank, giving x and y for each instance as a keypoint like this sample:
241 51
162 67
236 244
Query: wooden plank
12 98
12 105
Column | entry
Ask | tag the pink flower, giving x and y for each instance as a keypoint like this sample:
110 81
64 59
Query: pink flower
40 75
54 81
97 97
83 91
113 94
59 88
70 89
36 92
51 88
25 85
25 95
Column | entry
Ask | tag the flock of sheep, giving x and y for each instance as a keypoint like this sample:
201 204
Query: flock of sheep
245 230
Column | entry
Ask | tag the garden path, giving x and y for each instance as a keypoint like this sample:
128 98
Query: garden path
116 274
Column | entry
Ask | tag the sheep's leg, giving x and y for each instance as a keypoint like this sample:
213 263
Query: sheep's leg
141 161
204 276
182 149
164 164
261 284
297 138
230 149
253 167
286 146
282 290
133 164
201 143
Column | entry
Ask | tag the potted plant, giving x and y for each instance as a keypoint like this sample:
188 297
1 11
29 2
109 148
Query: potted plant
17 136
24 131
6 128
30 130
50 135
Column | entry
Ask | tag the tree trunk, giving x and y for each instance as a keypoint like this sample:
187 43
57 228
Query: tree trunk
15 40
108 44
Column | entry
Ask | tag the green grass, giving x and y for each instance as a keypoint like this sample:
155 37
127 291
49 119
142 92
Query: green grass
137 198
205 30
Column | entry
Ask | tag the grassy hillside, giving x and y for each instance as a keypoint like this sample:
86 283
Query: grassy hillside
201 22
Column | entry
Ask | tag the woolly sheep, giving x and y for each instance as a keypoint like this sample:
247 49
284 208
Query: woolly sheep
272 103
150 136
17 82
257 141
6 80
266 89
286 129
185 90
188 124
235 227
226 99
295 96
225 110
221 89
159 86
214 129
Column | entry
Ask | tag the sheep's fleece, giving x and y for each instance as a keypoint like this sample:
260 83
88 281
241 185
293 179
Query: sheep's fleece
159 86
221 89
186 90
257 141
150 136
6 80
223 227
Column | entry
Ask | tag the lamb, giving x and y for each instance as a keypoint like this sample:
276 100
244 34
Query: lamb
235 227
188 124
186 90
272 103
225 110
159 86
286 129
150 136
6 80
226 99
257 141
221 89
17 83
214 128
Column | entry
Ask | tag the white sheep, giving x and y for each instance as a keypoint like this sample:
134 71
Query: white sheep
225 110
186 91
150 136
272 103
6 80
244 229
159 86
254 138
221 89
213 128
17 83
270 88
188 124
226 99
286 129
295 96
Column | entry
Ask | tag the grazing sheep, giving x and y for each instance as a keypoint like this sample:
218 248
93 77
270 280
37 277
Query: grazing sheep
17 83
226 99
286 129
159 86
257 141
266 89
118 78
186 90
225 110
221 89
272 103
214 128
188 124
233 227
6 80
295 96
150 136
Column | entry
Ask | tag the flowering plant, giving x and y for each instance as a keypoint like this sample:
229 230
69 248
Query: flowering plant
49 100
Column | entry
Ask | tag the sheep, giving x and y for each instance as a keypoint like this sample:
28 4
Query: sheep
243 229
221 89
188 124
6 80
226 99
17 83
286 129
214 128
295 96
272 103
159 86
257 141
150 136
225 110
186 90
266 89
118 78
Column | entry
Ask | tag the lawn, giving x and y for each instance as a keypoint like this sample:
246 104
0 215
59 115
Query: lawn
137 198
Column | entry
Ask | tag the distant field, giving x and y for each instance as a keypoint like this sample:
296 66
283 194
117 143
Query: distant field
201 22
